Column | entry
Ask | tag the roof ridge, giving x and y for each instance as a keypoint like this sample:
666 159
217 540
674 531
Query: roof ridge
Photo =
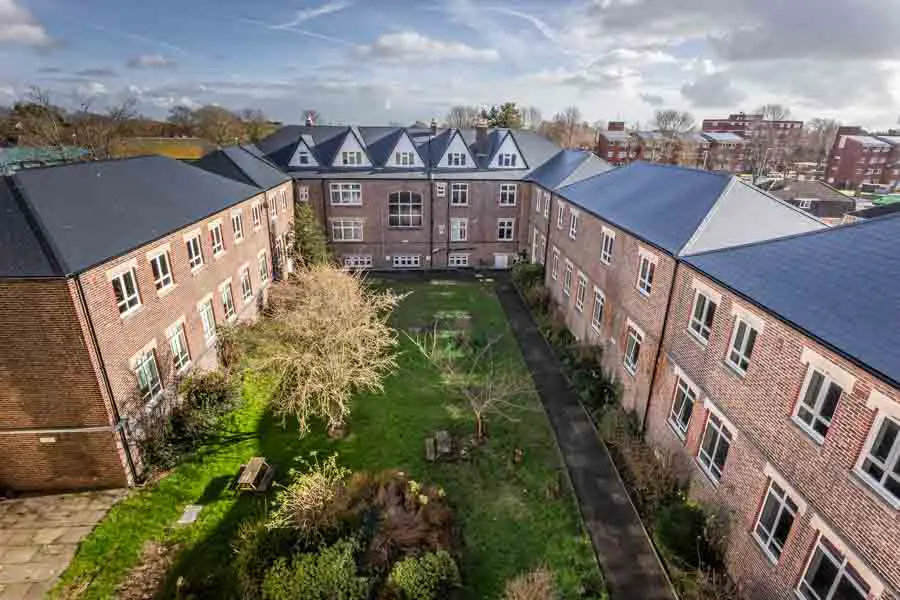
826 230
704 222
679 168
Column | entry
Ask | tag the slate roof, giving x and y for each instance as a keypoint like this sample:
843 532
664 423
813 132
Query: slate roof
868 141
85 214
879 210
893 140
567 167
809 281
243 165
616 135
723 137
683 211
22 253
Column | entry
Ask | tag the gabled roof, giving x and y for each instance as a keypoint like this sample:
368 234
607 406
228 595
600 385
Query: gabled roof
88 213
683 210
380 142
594 165
838 285
328 150
568 167
616 135
22 251
240 164
893 140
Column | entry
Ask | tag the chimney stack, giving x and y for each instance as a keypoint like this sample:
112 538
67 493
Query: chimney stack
615 126
309 120
433 126
481 128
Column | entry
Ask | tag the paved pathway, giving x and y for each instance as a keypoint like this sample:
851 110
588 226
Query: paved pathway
630 566
39 535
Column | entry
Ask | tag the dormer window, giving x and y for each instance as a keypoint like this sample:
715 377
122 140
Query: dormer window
351 159
303 157
456 159
404 159
507 160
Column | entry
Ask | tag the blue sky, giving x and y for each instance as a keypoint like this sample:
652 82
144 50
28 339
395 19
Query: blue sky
378 61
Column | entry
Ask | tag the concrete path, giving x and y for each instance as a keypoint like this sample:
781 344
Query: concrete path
39 536
629 563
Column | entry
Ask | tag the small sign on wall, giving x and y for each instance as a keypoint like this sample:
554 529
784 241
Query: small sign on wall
47 440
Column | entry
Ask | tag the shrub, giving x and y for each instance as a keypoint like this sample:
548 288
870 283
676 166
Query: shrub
329 574
711 585
538 300
257 548
535 585
679 528
306 503
430 577
527 275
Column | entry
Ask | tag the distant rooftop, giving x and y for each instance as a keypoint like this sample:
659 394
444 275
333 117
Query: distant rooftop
868 141
723 137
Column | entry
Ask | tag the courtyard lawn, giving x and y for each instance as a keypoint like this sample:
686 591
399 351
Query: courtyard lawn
513 517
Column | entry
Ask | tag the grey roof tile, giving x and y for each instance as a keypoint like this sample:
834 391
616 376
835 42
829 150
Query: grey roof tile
238 163
23 252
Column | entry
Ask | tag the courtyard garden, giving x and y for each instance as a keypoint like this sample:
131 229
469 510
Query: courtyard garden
498 506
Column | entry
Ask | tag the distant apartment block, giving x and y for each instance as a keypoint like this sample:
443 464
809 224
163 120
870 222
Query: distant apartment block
727 152
769 141
815 197
615 145
857 158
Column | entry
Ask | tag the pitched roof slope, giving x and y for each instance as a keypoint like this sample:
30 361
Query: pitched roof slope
553 172
94 211
240 164
22 252
809 281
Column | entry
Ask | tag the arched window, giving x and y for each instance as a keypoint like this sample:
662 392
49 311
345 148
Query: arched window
405 209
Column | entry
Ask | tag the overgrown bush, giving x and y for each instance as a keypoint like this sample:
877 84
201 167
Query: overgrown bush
527 275
432 576
538 584
538 299
709 584
257 548
329 574
679 528
306 503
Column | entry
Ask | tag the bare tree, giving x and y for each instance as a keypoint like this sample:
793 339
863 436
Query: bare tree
42 123
531 117
487 387
462 116
820 135
673 124
102 133
569 120
774 112
255 124
325 337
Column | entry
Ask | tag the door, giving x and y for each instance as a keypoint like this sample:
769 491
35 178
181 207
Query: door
501 261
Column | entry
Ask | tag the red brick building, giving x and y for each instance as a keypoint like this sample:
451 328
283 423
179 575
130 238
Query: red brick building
769 142
113 278
857 158
727 152
615 145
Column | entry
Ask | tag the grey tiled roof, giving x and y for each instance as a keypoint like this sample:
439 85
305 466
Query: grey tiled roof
243 165
568 167
22 251
838 285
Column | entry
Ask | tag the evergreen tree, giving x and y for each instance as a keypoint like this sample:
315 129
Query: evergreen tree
309 244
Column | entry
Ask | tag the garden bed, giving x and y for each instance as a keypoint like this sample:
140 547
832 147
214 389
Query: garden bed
510 513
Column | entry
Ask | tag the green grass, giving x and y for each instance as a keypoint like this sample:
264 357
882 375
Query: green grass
509 524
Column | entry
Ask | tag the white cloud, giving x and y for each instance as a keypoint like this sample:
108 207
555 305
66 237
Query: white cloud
18 26
90 89
411 45
150 61
308 14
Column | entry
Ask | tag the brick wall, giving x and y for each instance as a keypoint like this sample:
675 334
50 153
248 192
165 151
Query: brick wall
623 301
760 406
431 241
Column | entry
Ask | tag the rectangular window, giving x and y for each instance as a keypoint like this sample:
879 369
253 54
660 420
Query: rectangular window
633 342
554 267
714 448
208 320
508 194
567 279
702 315
458 260
743 339
126 290
405 209
178 345
537 201
456 159
303 157
804 203
273 206
506 229
303 193
543 249
881 462
404 159
347 230
215 238
597 312
357 261
607 242
830 576
507 160
560 215
237 226
282 200
194 252
346 194
546 205
459 230
246 285
407 260
573 225
682 407
147 373
459 194
818 402
255 215
162 272
263 261
228 301
776 517
351 159
440 189
645 275
580 291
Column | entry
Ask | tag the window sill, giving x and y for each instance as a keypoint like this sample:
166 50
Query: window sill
184 368
248 299
629 369
198 269
238 241
605 263
163 292
681 436
704 343
772 559
338 204
405 227
507 205
734 370
868 485
220 254
453 205
210 343
125 316
810 433
706 472
642 293
580 309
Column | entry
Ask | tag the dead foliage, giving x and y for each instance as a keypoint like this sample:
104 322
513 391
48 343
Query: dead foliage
147 578
538 584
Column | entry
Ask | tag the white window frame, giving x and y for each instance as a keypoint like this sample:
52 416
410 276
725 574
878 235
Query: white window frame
256 214
406 261
886 409
358 261
440 189
786 505
597 315
508 194
282 200
351 158
833 552
507 159
506 224
573 224
456 159
262 263
406 210
607 245
554 265
178 346
459 194
216 239
237 226
194 247
273 205
804 203
814 412
543 249
303 193
457 259
146 364
560 215
646 272
698 327
226 295
246 284
345 194
207 320
537 201
130 302
741 351
459 229
634 339
689 395
706 460
404 159
547 201
580 292
352 225
159 262
567 278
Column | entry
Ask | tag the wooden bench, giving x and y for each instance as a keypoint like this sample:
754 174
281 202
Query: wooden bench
255 476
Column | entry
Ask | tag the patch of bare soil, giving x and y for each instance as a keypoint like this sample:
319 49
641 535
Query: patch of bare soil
145 580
